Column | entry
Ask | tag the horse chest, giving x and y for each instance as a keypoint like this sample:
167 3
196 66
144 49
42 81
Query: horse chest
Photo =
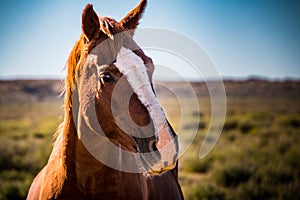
111 186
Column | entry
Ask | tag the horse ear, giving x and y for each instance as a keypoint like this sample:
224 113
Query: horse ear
131 20
90 21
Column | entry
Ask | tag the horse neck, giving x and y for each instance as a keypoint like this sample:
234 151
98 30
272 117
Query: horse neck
74 166
88 174
73 153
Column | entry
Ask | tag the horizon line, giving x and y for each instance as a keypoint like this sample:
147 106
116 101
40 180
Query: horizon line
168 79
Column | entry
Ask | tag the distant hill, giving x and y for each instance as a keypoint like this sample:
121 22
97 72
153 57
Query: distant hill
20 91
263 88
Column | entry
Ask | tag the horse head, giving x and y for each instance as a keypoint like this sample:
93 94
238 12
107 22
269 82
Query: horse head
113 92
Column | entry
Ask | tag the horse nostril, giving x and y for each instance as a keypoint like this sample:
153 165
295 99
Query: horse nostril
166 164
154 152
152 146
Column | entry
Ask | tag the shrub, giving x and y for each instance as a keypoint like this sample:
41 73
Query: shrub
254 191
195 125
231 176
231 137
14 184
291 158
279 175
13 158
291 121
230 125
208 192
246 127
197 165
201 125
39 135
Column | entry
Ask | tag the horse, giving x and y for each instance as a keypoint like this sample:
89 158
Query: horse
115 141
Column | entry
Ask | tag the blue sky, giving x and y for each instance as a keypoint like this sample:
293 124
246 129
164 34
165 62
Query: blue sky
255 37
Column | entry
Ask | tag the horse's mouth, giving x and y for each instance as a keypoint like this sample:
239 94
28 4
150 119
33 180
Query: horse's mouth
153 172
154 167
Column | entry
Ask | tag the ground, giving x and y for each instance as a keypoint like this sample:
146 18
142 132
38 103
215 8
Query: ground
256 157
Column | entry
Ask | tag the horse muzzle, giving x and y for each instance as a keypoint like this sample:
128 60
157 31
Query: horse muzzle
164 152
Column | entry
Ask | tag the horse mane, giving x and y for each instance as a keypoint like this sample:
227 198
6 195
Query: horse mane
66 132
69 83
66 129
75 56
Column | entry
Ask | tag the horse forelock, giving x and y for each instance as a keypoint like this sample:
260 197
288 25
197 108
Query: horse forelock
108 28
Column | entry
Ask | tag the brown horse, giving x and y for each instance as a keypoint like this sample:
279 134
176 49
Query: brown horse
115 141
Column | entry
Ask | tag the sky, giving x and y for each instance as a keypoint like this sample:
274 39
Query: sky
243 38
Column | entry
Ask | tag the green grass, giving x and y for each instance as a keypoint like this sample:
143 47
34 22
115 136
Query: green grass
26 137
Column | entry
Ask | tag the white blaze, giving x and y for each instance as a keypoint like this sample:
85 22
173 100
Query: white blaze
135 71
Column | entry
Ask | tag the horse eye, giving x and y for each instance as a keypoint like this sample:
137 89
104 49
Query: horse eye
106 78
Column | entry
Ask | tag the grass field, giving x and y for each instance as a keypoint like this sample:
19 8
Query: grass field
256 157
